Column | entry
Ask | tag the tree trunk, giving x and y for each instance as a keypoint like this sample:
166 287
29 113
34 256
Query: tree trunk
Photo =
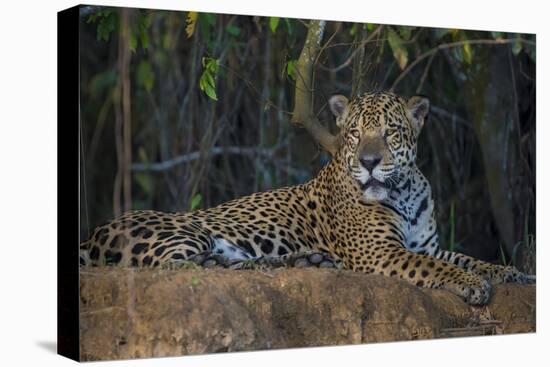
489 95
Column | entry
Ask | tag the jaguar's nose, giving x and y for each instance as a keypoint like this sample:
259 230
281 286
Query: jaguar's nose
370 162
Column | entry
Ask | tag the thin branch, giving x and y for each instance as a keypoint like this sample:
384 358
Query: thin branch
264 101
193 156
360 46
446 114
445 46
425 74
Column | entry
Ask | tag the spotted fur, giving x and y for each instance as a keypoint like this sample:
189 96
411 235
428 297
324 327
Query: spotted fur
370 208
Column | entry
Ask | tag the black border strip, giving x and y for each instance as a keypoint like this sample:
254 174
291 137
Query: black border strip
68 341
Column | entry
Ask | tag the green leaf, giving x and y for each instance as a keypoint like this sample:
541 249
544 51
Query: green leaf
145 182
441 32
209 18
145 75
290 69
370 26
517 46
289 26
201 83
532 52
142 154
133 41
452 224
467 50
144 38
353 30
92 18
212 65
195 281
207 81
502 256
398 49
211 92
233 30
273 23
405 32
101 82
195 202
497 35
108 22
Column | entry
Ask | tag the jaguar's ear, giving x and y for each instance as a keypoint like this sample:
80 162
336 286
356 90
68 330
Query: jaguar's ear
339 107
418 108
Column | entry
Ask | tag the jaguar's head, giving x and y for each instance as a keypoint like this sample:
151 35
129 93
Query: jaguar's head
379 133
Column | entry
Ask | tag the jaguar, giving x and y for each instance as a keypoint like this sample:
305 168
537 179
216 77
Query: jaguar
369 210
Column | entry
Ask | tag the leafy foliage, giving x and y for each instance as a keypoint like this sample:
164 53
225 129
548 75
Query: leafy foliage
140 31
191 22
398 48
207 81
107 22
290 69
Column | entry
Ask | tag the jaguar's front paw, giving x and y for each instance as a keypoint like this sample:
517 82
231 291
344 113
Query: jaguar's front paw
478 294
474 289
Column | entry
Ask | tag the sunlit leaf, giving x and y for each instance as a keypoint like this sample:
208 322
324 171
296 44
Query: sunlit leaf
142 154
210 92
273 23
195 281
398 49
207 81
144 38
133 41
370 26
405 32
191 21
92 18
467 49
144 181
517 46
497 35
145 75
195 202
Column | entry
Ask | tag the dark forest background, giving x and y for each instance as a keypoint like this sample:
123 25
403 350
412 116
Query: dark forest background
181 110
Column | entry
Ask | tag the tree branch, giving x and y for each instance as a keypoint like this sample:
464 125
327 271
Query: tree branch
303 98
193 156
445 46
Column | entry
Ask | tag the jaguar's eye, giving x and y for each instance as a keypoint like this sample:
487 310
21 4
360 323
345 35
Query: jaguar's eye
355 133
392 137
